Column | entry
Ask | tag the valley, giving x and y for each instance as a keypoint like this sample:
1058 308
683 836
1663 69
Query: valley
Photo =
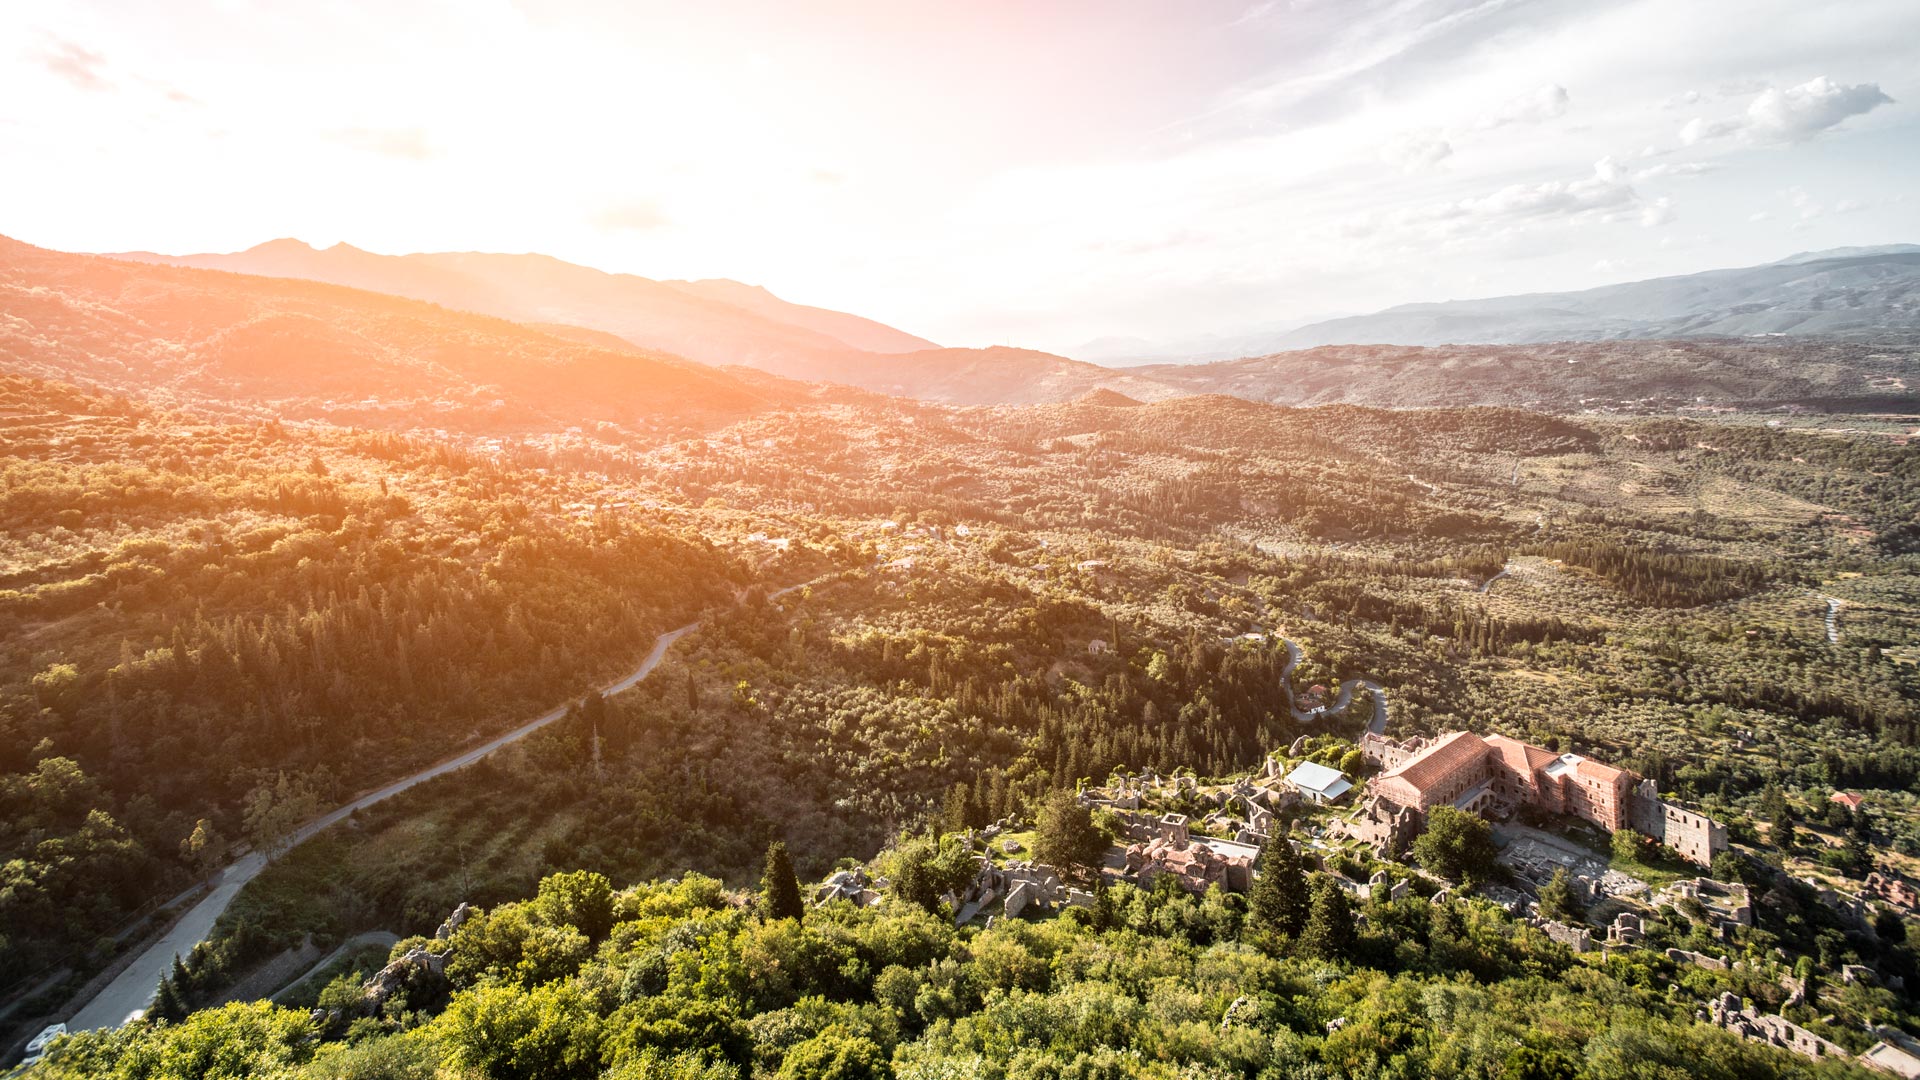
261 608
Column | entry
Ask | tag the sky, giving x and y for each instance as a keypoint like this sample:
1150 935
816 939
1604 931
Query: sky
1038 174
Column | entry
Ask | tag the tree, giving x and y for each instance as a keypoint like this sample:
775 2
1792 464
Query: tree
1783 834
1456 845
1629 845
1068 837
779 887
203 846
1557 899
924 868
1277 908
508 1033
273 812
169 1004
58 688
1328 934
581 899
957 815
836 1054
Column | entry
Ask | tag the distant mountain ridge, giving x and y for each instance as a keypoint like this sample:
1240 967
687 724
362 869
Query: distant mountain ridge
714 321
1839 292
271 346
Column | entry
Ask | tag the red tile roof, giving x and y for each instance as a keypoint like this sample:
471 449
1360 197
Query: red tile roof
1523 758
1439 761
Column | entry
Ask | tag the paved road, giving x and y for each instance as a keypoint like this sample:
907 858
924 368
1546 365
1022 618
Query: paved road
129 994
1379 723
384 938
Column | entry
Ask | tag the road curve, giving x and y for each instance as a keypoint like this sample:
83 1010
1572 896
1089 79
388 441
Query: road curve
1377 726
129 994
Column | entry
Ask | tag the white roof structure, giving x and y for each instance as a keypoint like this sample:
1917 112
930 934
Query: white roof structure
1319 782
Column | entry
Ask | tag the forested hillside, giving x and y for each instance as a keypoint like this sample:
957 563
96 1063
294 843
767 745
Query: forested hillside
219 622
192 611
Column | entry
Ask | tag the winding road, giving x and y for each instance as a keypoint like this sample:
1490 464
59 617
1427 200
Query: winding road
129 994
1377 726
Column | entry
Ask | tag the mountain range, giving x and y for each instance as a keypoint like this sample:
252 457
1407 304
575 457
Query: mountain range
453 330
1839 292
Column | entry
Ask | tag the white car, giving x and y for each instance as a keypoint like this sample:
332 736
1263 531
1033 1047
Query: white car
37 1049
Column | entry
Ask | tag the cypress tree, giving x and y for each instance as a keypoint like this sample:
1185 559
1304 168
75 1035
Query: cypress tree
167 1005
1557 900
779 887
1329 930
1277 908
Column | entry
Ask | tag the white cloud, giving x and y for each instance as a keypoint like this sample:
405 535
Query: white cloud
1792 115
1594 198
1800 112
1546 103
1675 168
1657 212
1699 130
1415 151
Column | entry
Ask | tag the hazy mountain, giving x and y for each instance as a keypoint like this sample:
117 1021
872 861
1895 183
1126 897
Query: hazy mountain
1198 349
997 376
1844 291
861 333
1570 376
715 322
301 348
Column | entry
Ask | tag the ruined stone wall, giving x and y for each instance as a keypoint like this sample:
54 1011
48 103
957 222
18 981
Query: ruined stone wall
1694 837
1386 754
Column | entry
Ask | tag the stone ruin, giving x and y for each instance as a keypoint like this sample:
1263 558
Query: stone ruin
1197 864
1387 754
1694 837
1727 1012
854 885
1577 938
1627 929
1024 885
1384 826
1892 890
1727 904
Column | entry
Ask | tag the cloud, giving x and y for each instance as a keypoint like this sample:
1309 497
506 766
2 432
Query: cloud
408 143
79 66
1657 212
1546 103
1799 113
1592 198
1792 115
1675 168
1415 151
635 215
1699 130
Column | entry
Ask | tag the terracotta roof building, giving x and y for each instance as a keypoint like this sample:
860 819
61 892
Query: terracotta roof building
1467 772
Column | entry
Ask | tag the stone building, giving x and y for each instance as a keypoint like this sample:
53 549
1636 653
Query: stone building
1695 837
1469 773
